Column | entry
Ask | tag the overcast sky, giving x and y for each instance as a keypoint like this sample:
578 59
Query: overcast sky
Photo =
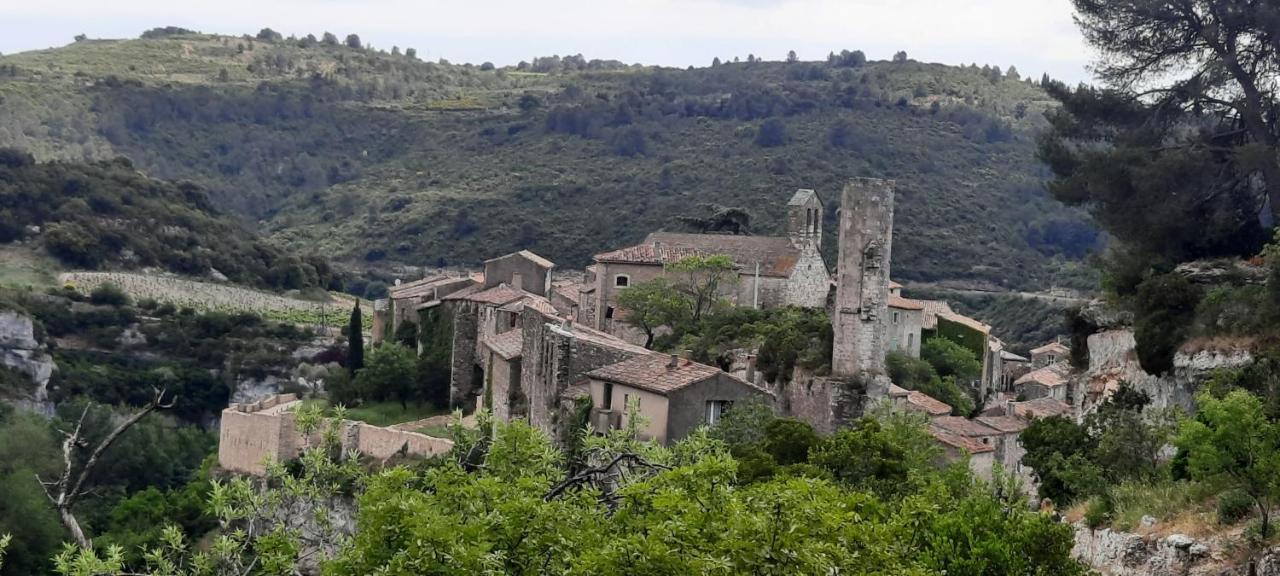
1034 35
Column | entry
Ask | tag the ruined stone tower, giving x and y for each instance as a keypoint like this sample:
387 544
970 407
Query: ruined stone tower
862 285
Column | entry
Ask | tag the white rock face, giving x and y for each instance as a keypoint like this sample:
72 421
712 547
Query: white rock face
20 350
1112 359
1113 553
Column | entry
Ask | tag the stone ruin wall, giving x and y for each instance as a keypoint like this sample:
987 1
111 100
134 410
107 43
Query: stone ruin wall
249 437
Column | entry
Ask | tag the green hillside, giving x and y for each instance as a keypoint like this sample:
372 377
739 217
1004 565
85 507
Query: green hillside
379 158
106 215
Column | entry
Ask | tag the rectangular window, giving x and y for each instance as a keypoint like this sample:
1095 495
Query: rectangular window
911 341
607 402
621 281
608 312
716 409
895 317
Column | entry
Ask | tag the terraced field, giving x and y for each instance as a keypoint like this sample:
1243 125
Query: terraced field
199 295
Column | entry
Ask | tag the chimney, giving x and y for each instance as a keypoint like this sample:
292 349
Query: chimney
675 361
686 354
517 280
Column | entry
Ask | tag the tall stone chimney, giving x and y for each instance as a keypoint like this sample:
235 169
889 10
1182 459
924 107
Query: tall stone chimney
862 285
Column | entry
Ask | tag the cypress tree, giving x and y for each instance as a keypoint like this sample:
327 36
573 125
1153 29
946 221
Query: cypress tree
355 338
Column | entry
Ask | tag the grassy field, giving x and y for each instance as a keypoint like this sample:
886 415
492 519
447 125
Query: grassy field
22 267
222 297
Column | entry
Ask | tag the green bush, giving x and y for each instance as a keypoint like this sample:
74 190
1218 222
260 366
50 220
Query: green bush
789 440
1233 506
1097 512
109 294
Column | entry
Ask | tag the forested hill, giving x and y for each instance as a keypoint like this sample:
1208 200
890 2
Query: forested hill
378 157
107 215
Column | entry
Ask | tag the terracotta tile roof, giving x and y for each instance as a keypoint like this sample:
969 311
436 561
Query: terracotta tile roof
802 197
578 390
585 334
967 321
1049 376
531 301
646 254
962 426
932 308
896 391
905 303
527 255
1008 356
569 290
1041 408
653 372
893 285
425 286
969 445
775 254
497 295
465 293
507 344
1006 424
927 404
1051 348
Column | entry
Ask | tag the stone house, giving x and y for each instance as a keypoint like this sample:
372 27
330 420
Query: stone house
1047 382
674 395
906 323
522 270
1050 353
773 271
1013 367
405 302
955 447
916 401
556 355
1009 450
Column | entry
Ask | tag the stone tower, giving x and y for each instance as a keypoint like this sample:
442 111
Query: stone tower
862 285
804 219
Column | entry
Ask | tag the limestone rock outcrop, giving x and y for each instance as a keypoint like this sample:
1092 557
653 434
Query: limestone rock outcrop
20 351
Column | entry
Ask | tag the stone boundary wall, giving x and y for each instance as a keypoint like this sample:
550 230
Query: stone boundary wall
250 436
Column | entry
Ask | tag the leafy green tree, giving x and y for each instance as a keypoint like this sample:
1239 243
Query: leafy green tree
651 305
353 41
900 56
108 294
792 58
1231 441
389 375
789 440
917 374
1210 60
355 341
702 279
744 424
949 358
863 456
329 39
1059 452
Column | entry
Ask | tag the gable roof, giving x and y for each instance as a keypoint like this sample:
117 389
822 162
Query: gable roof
646 254
654 372
932 308
776 255
498 295
905 303
927 404
965 321
508 344
527 255
961 426
1040 408
1006 424
1050 376
426 286
1051 348
802 197
970 445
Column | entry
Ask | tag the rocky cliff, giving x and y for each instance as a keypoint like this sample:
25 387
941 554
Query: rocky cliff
1115 553
20 351
1112 359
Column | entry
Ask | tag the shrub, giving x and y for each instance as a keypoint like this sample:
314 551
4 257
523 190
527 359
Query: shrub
1233 506
772 133
108 294
789 440
1097 512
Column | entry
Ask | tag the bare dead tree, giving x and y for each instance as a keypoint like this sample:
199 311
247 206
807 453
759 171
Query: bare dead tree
606 478
65 492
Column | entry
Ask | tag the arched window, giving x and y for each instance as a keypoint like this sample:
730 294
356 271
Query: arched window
622 281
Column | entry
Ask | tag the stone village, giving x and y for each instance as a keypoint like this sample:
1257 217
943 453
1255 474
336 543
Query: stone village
531 343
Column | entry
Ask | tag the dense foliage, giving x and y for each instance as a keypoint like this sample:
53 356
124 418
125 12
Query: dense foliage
106 214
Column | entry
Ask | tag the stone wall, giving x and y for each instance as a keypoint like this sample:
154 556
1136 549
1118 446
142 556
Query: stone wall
463 385
556 355
810 282
252 434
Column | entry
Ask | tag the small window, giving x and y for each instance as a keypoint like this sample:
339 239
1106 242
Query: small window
716 409
911 341
621 281
607 401
608 312
895 317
